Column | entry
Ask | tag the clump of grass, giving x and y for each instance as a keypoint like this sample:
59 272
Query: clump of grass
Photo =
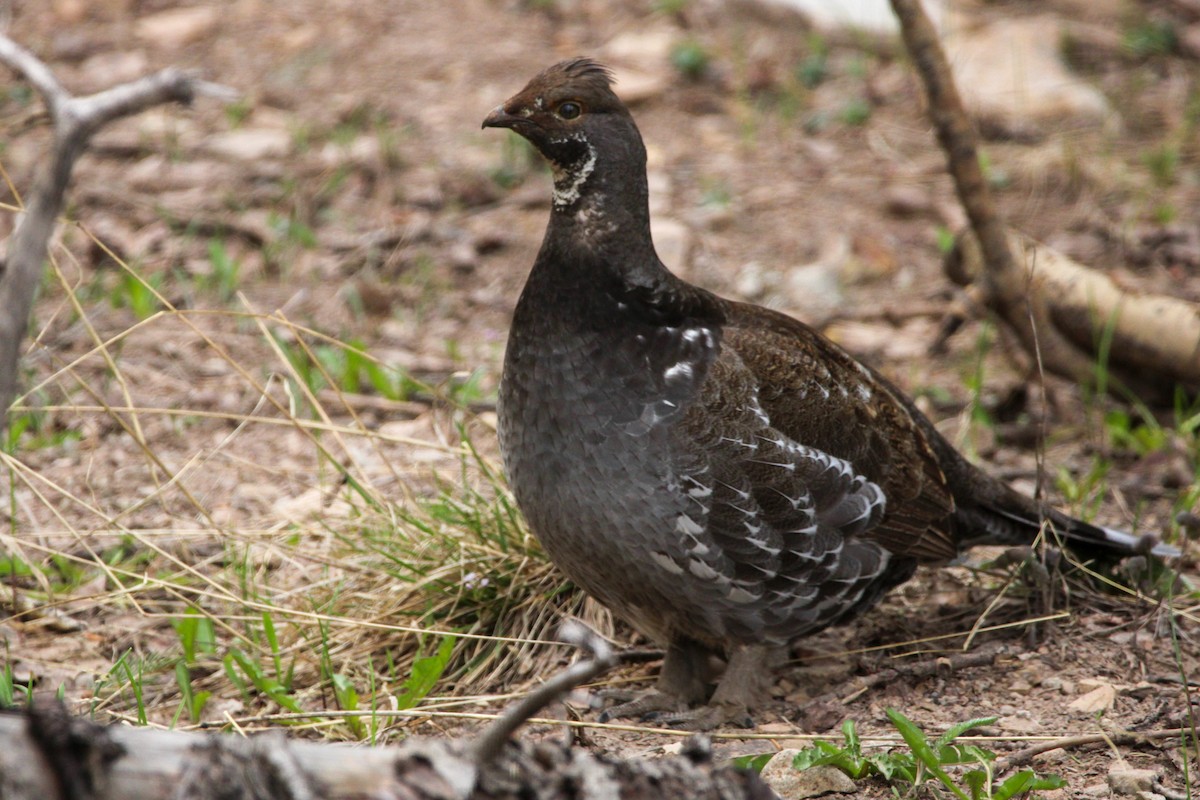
691 59
425 587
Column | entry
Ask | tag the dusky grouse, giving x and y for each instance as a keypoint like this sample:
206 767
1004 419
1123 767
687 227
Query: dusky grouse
717 473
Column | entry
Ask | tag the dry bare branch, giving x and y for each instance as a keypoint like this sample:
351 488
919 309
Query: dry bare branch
1067 315
75 120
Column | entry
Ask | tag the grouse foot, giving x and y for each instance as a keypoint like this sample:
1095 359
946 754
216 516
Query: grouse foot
682 684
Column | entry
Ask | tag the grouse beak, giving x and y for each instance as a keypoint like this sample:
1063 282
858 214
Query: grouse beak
499 118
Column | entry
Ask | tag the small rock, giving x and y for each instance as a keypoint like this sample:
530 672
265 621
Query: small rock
907 201
751 283
70 12
673 241
1053 683
363 151
177 26
1126 781
818 285
793 784
104 70
1096 701
250 144
649 47
1189 40
658 184
462 256
214 367
635 86
1019 723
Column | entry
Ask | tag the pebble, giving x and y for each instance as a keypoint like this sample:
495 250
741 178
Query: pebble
792 784
177 26
907 201
673 241
250 144
1127 782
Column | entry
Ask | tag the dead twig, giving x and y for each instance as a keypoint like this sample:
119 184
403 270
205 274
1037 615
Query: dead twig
75 120
1027 754
922 669
600 659
1080 324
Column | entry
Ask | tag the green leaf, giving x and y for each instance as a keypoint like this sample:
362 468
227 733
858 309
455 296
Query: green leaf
755 761
958 729
914 737
1027 781
426 672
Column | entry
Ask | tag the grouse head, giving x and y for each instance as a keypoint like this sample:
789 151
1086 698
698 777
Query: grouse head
570 113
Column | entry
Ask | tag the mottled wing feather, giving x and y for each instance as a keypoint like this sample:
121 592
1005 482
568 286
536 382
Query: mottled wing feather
818 395
774 523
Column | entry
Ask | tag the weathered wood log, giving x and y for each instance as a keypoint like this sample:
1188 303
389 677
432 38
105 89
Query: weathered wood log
1087 325
46 754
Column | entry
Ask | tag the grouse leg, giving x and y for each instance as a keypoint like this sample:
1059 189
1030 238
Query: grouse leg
740 689
682 682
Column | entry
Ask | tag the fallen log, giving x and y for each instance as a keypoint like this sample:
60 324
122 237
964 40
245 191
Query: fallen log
46 753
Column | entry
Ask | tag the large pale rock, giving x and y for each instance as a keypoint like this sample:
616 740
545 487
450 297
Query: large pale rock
1010 72
870 16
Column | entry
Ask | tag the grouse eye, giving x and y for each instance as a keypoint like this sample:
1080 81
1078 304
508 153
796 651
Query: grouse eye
569 110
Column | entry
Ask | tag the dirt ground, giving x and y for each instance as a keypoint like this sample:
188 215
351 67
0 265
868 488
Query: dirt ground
355 191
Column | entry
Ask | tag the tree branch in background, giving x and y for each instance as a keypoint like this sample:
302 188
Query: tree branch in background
75 120
1071 317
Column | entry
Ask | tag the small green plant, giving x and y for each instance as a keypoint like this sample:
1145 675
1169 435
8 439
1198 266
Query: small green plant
1164 213
1141 437
975 383
426 672
224 276
813 69
1163 163
128 671
945 239
11 692
196 634
191 701
855 112
1151 38
924 761
672 7
237 112
996 177
691 59
1085 492
32 431
138 294
245 673
517 160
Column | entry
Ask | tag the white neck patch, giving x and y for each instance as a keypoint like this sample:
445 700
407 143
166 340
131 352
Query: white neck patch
569 183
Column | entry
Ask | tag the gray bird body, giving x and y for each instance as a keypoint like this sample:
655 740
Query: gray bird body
717 473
